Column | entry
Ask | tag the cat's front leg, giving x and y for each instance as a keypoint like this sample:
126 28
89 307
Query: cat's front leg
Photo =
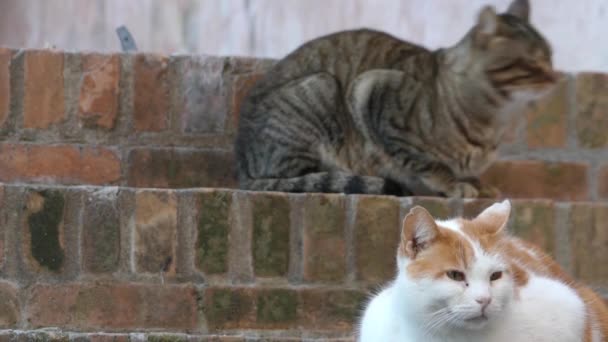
440 179
485 190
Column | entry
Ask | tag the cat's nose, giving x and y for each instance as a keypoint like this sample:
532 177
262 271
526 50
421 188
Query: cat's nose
483 301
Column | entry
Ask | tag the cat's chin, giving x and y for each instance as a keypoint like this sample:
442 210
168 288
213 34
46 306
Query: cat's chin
473 323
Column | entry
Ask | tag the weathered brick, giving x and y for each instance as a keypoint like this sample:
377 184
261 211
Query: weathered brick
44 229
202 99
112 306
173 168
58 164
324 244
5 83
167 338
222 339
589 242
214 222
9 306
101 232
271 225
98 101
151 93
109 338
241 85
331 309
592 105
537 179
603 182
439 208
534 221
43 99
155 231
277 308
547 118
229 308
377 231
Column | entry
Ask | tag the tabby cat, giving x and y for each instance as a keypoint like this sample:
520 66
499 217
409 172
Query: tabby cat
464 280
364 112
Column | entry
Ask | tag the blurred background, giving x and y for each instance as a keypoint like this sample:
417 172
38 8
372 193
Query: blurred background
271 28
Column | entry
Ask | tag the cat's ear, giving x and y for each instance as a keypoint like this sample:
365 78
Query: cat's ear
494 218
487 21
418 232
520 9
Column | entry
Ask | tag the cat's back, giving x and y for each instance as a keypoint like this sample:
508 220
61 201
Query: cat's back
343 55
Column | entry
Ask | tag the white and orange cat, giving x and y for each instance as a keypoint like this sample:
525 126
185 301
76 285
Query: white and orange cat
468 280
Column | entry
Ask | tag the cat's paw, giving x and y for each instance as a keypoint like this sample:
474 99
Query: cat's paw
489 191
463 190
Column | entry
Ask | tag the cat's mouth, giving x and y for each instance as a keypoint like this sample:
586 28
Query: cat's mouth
477 319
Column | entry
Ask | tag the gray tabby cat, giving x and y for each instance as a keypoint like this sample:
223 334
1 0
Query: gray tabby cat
364 112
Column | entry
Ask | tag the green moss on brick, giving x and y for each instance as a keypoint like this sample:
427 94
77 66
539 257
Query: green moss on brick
225 307
102 238
44 231
345 305
213 229
271 235
277 306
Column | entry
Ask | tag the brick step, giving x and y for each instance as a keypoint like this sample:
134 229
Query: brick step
63 336
146 120
210 261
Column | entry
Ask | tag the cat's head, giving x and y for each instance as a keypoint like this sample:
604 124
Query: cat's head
515 58
450 275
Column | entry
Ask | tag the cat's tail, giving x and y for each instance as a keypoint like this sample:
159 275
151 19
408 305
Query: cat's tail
327 182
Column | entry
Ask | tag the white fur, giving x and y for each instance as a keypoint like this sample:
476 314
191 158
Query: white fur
543 310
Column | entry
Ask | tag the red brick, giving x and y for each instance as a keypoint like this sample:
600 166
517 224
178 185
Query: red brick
592 105
98 101
603 182
589 239
241 86
5 83
547 118
536 179
9 306
324 244
155 232
151 93
112 307
377 231
174 168
43 99
58 164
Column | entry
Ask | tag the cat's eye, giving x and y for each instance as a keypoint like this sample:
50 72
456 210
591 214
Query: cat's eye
455 275
495 276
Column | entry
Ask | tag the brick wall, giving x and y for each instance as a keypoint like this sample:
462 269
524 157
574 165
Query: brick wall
87 247
193 263
168 121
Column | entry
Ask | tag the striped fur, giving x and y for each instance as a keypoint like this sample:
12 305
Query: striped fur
364 112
